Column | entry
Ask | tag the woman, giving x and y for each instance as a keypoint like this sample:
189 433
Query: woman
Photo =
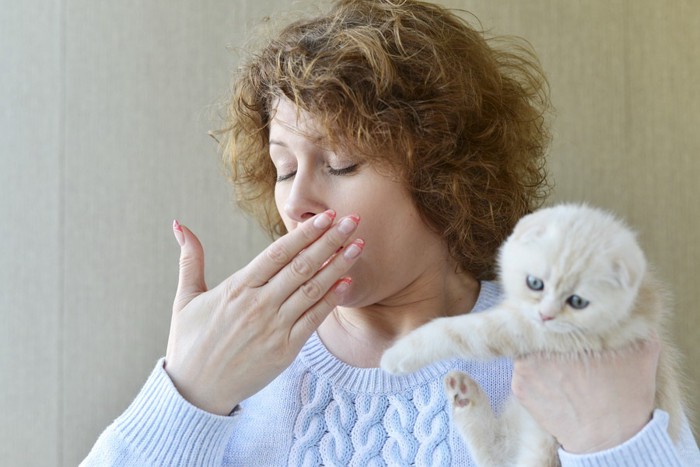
393 150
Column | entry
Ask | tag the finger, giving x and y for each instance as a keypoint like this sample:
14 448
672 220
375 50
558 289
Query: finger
280 253
191 277
316 289
654 341
310 320
306 264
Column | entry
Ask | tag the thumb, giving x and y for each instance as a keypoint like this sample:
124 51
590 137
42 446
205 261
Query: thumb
191 280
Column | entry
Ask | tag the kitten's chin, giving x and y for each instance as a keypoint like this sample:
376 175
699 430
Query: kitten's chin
557 327
554 325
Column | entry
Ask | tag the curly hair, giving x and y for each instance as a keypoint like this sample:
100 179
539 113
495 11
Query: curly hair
411 86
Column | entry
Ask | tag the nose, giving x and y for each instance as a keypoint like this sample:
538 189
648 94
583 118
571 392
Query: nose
548 311
545 317
549 307
304 199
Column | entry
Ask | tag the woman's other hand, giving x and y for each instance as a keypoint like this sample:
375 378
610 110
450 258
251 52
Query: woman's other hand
593 405
227 343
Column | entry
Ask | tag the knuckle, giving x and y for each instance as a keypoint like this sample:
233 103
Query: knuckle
188 260
301 267
277 254
314 320
336 238
316 315
308 231
312 291
232 289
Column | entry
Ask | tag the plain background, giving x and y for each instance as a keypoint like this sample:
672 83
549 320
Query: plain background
103 142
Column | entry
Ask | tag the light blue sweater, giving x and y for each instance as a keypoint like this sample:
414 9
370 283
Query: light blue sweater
321 411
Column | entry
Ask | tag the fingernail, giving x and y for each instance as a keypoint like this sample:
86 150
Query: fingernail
324 220
353 250
343 285
179 234
348 224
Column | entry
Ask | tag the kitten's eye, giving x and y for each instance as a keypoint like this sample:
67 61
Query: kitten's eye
534 283
577 302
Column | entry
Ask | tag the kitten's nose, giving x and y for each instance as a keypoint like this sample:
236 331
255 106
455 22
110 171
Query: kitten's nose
544 317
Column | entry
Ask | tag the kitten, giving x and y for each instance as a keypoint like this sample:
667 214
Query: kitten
575 283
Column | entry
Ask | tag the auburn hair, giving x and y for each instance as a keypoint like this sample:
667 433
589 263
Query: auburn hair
414 87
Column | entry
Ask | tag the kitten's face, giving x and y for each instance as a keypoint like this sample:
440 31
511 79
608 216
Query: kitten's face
573 269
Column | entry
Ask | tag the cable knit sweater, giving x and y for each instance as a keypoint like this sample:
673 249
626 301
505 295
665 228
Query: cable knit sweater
321 411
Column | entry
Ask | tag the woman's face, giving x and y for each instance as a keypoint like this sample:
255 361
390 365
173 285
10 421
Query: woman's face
399 247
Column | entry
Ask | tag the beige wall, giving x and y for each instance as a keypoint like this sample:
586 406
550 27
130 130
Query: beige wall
105 108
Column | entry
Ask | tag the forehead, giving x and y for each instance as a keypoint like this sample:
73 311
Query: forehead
288 120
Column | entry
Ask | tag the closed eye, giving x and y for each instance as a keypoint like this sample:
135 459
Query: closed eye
343 171
335 172
282 178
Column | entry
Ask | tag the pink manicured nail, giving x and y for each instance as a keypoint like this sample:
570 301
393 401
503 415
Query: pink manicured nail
343 285
179 234
348 224
324 220
353 250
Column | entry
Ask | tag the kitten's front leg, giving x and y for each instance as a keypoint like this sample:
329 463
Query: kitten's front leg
419 348
483 432
481 336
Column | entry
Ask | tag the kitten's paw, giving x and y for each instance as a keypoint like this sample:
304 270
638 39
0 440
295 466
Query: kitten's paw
462 391
400 358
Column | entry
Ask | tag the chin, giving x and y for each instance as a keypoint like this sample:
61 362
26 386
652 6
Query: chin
559 327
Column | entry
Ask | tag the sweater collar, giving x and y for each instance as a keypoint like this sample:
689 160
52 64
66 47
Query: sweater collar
327 366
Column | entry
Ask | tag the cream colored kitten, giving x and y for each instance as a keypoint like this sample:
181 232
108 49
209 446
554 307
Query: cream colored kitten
575 282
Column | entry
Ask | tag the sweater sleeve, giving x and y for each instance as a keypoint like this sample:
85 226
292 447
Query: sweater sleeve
651 447
161 428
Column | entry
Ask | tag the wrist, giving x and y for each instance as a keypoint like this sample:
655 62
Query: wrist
201 395
602 436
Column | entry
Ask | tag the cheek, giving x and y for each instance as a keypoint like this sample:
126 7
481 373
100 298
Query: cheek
587 320
531 306
281 195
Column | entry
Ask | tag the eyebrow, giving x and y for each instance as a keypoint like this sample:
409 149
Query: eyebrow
316 141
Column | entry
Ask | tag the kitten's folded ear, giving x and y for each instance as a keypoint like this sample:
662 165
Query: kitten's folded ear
629 267
529 228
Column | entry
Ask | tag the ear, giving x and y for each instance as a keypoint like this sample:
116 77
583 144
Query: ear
529 228
621 276
627 272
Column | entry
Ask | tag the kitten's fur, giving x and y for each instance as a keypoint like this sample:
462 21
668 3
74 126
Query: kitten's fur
573 250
